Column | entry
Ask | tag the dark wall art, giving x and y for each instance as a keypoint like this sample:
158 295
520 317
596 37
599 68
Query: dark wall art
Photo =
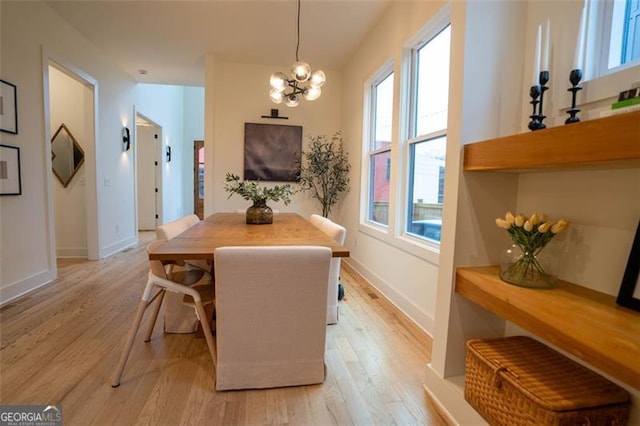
629 295
272 152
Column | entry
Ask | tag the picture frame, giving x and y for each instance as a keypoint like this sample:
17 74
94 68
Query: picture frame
8 108
629 294
272 152
10 183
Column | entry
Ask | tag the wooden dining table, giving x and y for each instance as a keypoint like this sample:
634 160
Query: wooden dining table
231 229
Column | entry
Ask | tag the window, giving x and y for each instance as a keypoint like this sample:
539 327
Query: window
619 41
379 151
427 140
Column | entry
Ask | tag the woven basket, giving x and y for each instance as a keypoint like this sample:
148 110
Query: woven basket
519 381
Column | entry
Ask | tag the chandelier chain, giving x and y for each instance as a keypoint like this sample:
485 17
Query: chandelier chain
298 32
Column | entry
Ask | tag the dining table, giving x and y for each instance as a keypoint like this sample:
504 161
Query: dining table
231 229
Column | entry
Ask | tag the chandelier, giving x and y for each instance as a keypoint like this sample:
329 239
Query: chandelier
303 82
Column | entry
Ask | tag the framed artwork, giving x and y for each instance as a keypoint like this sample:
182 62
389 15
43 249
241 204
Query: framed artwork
10 183
629 295
272 152
8 108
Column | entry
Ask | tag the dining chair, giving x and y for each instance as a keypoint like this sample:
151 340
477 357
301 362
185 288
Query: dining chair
338 233
179 318
270 312
188 284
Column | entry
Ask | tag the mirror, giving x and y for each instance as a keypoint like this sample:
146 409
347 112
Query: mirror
66 155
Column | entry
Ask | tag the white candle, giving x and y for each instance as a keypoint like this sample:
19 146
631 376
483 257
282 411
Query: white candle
578 60
536 58
545 52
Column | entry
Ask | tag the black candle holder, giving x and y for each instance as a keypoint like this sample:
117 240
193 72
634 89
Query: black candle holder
536 123
574 77
543 79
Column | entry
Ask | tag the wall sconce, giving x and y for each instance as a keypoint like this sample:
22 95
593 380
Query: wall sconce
126 139
168 152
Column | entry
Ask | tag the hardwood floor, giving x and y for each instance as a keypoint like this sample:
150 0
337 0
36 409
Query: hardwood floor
61 343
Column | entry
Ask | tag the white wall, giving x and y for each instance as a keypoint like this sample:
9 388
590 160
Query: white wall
193 130
399 269
238 94
31 34
71 104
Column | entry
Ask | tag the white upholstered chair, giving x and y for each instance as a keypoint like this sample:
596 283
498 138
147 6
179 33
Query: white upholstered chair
338 233
183 283
179 318
270 315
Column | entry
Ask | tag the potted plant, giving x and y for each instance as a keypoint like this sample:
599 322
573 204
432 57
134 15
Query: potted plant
259 213
324 171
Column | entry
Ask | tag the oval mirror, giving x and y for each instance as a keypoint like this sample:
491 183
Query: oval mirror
66 155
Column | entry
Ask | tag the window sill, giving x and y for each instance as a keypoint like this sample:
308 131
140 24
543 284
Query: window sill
414 246
604 87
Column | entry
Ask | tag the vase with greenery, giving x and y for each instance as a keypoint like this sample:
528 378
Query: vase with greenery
258 213
324 171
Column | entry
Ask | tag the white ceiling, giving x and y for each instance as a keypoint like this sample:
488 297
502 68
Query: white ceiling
170 38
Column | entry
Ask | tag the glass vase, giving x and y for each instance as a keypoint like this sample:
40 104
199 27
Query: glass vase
525 268
259 213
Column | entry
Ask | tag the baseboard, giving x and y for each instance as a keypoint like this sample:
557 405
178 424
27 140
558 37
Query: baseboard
119 246
398 300
448 397
21 288
71 252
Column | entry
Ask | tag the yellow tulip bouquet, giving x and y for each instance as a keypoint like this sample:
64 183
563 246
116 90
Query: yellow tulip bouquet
530 235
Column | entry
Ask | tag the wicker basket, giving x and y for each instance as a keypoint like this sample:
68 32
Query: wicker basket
520 381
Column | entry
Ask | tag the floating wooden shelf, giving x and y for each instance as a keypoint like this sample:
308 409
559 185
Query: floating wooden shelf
584 322
609 141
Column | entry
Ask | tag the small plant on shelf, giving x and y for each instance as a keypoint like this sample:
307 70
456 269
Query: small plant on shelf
520 264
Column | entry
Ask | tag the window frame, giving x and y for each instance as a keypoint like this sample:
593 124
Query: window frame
369 151
428 33
600 20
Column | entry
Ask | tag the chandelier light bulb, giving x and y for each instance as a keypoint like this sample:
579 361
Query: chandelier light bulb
278 81
276 96
300 71
317 78
292 100
312 93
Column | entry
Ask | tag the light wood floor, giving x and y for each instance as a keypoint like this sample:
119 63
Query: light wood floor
61 343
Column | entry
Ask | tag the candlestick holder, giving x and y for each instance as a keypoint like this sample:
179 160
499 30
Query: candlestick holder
543 79
574 77
535 124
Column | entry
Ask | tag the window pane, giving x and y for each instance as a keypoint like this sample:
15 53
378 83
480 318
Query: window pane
426 188
631 37
623 32
383 112
379 178
432 84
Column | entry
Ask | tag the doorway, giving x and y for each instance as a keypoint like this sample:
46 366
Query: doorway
198 178
149 177
71 112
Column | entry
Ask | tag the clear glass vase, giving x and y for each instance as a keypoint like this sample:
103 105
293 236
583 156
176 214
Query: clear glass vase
525 268
259 213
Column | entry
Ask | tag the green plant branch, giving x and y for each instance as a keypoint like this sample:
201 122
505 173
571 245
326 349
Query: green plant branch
324 172
253 191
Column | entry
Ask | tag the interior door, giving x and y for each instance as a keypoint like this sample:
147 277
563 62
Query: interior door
198 178
147 168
